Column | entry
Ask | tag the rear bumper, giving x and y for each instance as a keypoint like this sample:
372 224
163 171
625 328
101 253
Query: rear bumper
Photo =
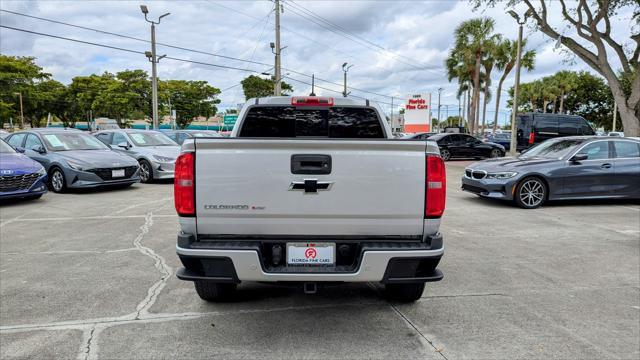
377 262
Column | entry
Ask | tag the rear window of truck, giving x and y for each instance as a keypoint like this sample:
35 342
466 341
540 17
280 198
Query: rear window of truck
333 122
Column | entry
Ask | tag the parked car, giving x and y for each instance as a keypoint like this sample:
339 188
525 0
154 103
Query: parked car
154 151
455 129
454 145
558 169
534 128
74 159
3 134
418 136
179 136
294 196
20 177
616 133
503 139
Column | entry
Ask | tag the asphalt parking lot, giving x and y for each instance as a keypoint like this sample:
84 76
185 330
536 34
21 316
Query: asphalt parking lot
92 275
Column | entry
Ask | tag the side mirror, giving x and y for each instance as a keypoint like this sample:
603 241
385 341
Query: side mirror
20 149
39 149
124 145
579 157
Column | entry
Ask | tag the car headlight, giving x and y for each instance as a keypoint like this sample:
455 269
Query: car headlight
501 175
75 166
42 171
164 158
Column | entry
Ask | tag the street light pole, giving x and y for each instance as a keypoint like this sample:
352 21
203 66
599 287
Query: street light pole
439 91
22 111
345 68
514 111
154 62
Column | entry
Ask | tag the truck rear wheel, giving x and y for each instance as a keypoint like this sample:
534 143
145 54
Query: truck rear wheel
212 291
404 292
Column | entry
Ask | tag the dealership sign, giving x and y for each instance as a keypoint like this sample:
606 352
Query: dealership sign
417 113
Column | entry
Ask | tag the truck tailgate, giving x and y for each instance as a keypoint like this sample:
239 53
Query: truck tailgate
247 187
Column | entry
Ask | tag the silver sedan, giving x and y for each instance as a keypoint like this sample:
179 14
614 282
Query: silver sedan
154 151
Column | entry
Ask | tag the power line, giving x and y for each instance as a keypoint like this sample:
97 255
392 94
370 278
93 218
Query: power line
123 49
351 36
135 38
173 46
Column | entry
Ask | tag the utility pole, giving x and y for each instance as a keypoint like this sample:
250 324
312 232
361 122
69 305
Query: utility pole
313 85
514 111
154 61
392 114
439 91
277 91
21 111
345 68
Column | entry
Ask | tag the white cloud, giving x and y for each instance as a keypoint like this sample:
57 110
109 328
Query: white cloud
420 33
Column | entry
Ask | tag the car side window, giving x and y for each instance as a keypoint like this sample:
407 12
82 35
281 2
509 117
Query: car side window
452 139
182 137
32 142
118 138
16 140
104 137
467 139
627 149
597 150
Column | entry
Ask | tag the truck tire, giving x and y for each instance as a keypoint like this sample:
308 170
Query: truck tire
212 291
404 292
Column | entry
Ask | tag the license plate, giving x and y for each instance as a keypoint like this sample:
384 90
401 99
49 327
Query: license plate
311 253
117 173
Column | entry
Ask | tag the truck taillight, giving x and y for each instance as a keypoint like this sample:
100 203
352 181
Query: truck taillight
184 185
532 138
436 187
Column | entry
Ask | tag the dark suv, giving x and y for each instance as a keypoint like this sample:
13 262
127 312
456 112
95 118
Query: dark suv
534 128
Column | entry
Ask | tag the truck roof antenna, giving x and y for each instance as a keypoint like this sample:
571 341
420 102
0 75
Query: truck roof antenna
313 85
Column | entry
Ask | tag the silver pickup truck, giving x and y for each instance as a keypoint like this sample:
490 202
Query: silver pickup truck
309 190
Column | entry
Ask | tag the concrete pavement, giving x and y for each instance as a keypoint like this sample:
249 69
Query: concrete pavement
92 275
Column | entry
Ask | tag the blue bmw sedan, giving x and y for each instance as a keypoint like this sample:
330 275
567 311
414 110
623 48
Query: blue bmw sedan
578 167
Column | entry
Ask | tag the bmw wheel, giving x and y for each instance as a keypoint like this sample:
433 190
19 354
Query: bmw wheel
495 153
57 182
531 193
146 172
445 154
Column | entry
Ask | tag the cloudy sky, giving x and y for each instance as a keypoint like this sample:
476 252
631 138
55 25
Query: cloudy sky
396 47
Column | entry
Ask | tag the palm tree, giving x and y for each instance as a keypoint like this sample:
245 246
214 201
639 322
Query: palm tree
506 55
473 38
548 92
565 81
488 64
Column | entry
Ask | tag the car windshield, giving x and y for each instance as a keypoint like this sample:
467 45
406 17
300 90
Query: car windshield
554 149
151 139
5 148
72 141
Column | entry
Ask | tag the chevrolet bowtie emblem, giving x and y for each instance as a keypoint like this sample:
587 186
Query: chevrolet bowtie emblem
310 186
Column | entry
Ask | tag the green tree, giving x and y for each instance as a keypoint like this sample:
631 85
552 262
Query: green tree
190 99
565 82
81 95
506 55
584 28
255 86
18 75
